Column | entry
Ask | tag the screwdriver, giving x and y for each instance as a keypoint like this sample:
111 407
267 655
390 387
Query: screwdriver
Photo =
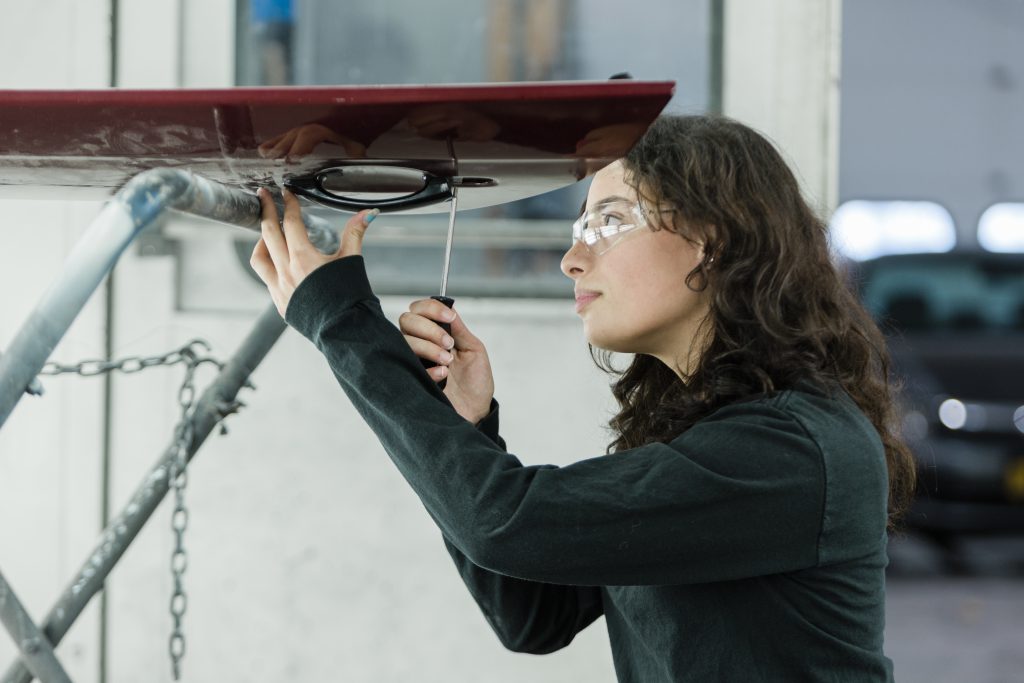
446 300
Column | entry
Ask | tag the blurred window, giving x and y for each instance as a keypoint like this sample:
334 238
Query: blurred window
1001 228
319 42
957 292
862 230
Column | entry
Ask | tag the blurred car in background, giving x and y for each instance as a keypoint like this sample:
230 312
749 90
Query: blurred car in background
955 326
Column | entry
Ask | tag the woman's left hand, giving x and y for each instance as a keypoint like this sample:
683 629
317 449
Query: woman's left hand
284 256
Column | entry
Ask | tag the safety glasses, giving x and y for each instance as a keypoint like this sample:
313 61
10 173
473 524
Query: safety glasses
604 226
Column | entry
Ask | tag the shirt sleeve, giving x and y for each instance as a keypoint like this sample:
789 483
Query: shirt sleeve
527 616
739 494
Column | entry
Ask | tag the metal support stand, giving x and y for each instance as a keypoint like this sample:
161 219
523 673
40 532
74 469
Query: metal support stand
218 398
128 213
36 651
144 199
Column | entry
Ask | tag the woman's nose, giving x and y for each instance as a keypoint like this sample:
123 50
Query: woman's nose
574 259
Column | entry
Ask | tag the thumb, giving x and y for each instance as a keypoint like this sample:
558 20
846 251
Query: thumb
464 339
355 229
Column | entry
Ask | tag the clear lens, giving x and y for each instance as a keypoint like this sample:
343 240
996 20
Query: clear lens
602 227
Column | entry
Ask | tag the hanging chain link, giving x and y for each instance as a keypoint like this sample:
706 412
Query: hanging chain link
178 479
129 364
184 433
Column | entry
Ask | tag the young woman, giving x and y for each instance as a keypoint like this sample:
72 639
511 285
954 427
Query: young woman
736 528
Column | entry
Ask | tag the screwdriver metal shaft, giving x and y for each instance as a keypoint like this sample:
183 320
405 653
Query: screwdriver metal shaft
451 236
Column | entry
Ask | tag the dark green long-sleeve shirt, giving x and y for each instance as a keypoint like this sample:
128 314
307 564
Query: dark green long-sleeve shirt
750 548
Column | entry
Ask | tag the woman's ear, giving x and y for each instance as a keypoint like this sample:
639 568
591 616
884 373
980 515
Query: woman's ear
709 247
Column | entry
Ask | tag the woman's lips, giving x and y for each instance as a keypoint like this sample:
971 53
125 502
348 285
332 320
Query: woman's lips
584 299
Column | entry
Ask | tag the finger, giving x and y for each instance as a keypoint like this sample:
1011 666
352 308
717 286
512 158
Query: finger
437 373
261 263
284 145
355 229
428 350
309 138
417 326
434 128
433 309
354 149
271 231
266 148
294 227
410 323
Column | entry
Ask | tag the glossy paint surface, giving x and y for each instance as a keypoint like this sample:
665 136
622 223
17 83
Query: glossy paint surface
525 138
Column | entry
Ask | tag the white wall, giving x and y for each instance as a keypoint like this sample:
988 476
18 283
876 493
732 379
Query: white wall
50 448
310 558
781 75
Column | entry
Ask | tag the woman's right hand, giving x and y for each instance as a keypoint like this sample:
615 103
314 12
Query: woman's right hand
470 383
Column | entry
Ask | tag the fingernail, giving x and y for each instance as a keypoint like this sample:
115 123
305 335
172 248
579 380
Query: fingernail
368 218
446 357
449 315
447 342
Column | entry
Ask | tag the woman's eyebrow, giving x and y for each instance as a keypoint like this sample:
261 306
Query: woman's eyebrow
612 199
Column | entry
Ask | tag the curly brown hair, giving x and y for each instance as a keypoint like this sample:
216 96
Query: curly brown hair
780 311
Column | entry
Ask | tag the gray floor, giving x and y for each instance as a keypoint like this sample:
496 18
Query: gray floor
956 629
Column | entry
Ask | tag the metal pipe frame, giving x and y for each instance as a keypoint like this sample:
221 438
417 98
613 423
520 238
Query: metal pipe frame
217 400
136 207
37 652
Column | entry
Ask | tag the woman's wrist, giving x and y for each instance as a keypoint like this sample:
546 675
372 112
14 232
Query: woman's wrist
481 414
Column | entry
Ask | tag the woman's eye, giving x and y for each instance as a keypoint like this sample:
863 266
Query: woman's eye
611 219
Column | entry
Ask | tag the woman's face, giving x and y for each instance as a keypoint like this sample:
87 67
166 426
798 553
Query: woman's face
643 303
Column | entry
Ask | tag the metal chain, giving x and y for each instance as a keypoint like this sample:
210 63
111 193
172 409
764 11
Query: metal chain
184 432
178 479
127 365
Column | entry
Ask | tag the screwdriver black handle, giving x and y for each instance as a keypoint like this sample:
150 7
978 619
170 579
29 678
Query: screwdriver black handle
447 327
